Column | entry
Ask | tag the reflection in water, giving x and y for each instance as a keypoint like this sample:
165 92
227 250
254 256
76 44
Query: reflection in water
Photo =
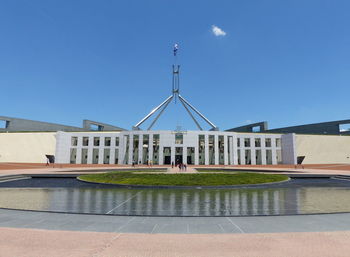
159 202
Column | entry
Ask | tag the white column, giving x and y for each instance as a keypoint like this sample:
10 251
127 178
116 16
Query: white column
242 154
80 142
101 150
252 151
225 150
131 148
263 151
184 154
140 149
234 150
150 148
216 148
90 147
112 151
172 153
273 148
206 149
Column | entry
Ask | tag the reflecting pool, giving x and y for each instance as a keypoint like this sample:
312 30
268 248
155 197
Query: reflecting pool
180 202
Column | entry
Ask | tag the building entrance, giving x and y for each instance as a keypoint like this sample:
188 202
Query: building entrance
178 155
178 159
167 155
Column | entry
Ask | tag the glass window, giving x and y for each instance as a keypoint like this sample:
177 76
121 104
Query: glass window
258 157
136 149
106 156
248 157
238 142
84 155
74 141
96 141
268 142
107 141
211 150
117 141
85 141
247 142
145 145
257 142
155 149
278 142
73 155
95 154
201 151
178 138
221 143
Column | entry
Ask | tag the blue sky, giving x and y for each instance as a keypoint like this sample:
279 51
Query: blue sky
285 62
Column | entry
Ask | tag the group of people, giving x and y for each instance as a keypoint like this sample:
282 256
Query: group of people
182 166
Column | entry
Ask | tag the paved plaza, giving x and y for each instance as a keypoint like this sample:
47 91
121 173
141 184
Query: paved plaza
29 233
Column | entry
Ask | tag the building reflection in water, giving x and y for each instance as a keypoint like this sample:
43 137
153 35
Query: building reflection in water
164 202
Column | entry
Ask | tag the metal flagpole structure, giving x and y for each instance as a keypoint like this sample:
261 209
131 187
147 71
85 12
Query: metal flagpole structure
174 96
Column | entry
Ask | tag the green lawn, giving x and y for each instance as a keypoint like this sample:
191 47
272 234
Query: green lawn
199 179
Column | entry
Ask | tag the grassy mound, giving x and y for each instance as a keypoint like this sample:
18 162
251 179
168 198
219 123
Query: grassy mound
201 179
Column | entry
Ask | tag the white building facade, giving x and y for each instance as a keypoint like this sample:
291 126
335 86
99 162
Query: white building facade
166 147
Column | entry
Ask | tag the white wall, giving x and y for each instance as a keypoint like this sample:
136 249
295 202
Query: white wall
323 149
288 149
27 147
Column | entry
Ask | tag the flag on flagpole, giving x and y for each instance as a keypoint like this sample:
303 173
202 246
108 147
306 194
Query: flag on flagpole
176 47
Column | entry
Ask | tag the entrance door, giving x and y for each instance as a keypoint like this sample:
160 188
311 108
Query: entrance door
178 159
178 155
189 160
167 159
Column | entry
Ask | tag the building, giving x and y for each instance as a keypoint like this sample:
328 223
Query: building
164 147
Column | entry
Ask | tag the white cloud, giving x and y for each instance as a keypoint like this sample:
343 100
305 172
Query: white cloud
217 31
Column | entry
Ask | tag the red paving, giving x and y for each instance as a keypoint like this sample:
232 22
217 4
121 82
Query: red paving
35 243
11 166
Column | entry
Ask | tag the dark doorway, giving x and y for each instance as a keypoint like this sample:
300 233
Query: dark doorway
189 160
167 159
178 159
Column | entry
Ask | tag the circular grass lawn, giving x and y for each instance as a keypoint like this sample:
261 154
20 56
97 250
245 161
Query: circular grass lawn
193 179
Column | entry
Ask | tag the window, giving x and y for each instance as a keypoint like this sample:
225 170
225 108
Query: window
257 142
85 141
238 142
106 156
136 149
211 149
201 151
95 154
247 142
107 141
96 141
3 124
155 149
267 142
84 155
221 143
74 141
256 129
117 141
73 155
344 127
179 138
278 142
